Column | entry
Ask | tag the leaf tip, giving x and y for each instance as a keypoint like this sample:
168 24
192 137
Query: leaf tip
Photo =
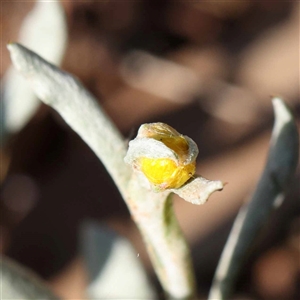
281 109
283 115
10 46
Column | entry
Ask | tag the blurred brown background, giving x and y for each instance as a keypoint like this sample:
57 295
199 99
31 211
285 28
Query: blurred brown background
207 68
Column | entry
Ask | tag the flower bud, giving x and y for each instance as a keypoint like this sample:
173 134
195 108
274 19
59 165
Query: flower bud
164 156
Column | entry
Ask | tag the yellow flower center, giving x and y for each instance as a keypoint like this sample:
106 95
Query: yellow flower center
165 173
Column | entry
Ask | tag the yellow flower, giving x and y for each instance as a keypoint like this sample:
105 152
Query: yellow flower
164 156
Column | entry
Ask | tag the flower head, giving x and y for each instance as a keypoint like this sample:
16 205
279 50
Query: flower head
165 157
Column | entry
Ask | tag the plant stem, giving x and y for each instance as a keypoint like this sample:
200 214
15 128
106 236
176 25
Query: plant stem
153 213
